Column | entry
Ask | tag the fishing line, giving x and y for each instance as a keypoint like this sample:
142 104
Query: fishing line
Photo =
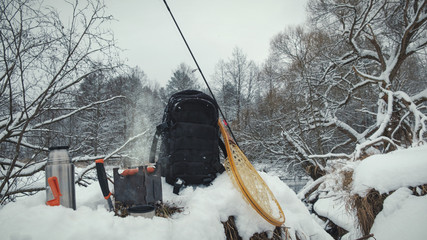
200 70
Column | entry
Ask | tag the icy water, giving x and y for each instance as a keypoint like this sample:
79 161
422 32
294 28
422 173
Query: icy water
295 184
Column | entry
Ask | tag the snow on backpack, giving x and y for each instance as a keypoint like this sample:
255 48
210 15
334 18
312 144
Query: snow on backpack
189 152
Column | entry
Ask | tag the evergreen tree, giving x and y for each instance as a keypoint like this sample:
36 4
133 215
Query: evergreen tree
183 78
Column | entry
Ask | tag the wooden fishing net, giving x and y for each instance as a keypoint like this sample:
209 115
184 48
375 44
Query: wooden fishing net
250 183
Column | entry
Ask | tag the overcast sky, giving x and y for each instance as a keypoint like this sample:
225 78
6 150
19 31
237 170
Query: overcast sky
213 28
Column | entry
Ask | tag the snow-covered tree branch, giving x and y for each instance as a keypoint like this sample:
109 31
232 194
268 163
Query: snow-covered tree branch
352 81
42 59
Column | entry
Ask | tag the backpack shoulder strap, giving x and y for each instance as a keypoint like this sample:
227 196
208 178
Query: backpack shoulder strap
219 167
159 130
222 146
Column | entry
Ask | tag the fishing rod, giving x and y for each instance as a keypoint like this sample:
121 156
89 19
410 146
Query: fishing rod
198 68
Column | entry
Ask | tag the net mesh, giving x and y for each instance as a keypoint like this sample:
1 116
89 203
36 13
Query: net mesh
255 190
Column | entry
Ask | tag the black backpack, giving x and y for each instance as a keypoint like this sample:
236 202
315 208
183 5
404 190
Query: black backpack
189 152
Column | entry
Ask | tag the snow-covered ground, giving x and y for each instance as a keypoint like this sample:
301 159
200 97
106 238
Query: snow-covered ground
404 216
204 210
389 172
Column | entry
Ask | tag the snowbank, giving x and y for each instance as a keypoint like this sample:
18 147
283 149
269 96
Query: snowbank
388 172
335 210
204 209
404 216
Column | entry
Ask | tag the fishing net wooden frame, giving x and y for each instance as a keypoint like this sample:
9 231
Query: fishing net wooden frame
249 182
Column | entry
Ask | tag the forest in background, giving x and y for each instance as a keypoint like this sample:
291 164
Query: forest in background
350 83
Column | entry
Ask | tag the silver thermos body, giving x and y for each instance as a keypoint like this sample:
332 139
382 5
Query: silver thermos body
59 165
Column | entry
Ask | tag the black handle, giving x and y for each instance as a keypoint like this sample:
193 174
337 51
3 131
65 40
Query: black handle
103 182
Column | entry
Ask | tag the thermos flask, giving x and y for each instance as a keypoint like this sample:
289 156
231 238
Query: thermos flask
60 178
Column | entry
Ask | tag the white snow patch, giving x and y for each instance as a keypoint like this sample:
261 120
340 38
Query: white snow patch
388 172
334 209
404 216
298 218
